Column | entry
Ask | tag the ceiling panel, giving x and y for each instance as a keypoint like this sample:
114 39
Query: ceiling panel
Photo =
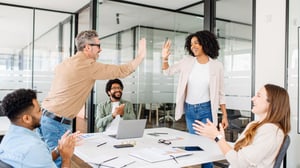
132 15
60 5
235 10
169 4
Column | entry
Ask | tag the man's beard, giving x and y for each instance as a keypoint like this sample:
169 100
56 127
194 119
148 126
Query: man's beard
36 123
115 96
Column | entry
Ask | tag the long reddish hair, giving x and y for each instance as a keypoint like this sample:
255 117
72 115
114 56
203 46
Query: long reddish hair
278 113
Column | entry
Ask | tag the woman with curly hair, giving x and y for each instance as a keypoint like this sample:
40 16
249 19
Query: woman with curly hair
200 90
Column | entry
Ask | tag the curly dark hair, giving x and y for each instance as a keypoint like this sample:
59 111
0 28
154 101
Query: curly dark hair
207 40
111 82
16 102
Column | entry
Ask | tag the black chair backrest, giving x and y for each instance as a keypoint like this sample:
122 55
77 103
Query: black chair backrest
233 114
4 165
282 151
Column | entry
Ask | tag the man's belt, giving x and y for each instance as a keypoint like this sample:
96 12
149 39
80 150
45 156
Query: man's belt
56 118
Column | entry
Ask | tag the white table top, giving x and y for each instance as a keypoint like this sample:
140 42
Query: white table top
4 124
88 152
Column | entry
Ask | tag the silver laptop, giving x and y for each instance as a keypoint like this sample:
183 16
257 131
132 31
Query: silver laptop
130 129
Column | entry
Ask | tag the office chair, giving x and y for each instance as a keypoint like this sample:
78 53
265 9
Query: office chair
4 165
222 164
150 107
167 108
282 153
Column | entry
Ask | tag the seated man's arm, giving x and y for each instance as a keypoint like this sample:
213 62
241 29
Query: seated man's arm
129 113
103 117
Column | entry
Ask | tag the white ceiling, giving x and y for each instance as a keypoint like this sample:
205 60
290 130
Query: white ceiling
60 5
130 15
241 11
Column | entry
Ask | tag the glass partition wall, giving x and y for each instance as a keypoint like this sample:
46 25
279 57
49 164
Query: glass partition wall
234 32
35 41
124 24
121 25
15 62
293 81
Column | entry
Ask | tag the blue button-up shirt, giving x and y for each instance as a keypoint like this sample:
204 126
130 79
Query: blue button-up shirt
22 147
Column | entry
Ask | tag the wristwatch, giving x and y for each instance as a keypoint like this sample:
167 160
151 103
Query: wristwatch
218 137
56 151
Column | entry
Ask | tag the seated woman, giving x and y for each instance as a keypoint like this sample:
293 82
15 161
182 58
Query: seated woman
260 142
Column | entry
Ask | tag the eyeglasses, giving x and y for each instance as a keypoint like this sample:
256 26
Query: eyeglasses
164 141
98 45
116 88
129 142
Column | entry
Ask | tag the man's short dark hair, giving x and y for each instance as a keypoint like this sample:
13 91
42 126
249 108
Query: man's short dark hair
16 102
111 82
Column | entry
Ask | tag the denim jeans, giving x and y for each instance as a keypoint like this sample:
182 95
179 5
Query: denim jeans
199 112
51 131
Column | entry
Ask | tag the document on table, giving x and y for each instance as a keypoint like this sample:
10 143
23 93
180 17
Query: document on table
159 154
112 162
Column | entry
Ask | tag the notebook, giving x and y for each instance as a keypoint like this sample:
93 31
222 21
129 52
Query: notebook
130 129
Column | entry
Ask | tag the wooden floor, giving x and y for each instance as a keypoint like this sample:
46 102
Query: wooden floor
81 125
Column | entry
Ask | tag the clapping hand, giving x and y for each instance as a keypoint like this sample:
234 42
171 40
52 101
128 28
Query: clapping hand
68 142
209 129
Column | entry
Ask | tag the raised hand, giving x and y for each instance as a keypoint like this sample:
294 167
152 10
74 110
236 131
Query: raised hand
142 48
166 50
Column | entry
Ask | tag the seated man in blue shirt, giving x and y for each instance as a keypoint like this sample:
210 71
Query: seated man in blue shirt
21 145
115 108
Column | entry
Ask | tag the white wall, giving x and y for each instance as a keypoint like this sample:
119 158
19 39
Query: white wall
270 59
270 42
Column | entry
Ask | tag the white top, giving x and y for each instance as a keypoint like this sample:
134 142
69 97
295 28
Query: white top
113 126
114 105
198 84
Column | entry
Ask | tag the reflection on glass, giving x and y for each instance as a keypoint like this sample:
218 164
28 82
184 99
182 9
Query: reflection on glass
15 61
28 55
147 85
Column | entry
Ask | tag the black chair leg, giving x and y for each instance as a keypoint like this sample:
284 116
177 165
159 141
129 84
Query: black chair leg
220 164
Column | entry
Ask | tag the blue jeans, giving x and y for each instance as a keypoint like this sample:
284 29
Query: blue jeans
51 131
199 112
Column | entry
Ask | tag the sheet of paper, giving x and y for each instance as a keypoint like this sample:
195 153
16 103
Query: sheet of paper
159 154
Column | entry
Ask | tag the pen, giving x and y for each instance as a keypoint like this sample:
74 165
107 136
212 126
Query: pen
160 133
101 144
109 159
157 133
101 164
174 158
128 164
